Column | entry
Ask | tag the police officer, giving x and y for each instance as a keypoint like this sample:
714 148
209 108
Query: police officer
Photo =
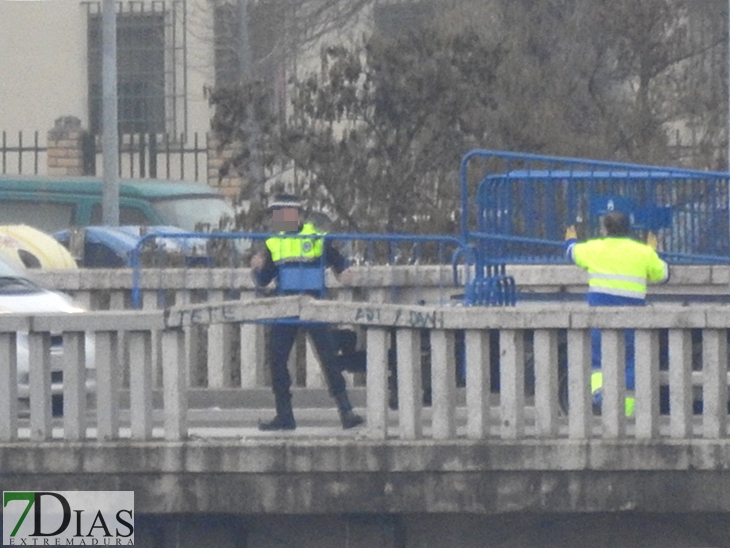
618 270
296 264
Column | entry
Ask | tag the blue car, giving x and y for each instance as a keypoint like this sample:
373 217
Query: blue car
111 247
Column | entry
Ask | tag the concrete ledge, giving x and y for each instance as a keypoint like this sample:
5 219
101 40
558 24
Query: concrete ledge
14 322
548 277
234 311
301 456
534 316
319 476
112 320
420 317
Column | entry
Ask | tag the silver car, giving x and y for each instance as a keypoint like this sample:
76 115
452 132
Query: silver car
19 294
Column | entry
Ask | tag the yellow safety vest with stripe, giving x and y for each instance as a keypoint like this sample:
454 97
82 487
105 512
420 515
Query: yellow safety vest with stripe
619 266
299 260
293 248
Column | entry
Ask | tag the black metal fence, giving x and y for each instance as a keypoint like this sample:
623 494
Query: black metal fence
141 156
157 156
18 156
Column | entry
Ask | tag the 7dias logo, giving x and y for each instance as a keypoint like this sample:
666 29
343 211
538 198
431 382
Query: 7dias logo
68 518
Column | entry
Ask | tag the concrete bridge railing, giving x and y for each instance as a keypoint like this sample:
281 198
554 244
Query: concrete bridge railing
129 341
228 356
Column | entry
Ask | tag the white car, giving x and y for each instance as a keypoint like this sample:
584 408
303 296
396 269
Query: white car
20 294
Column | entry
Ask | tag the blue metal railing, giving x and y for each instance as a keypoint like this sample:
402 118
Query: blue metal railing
524 202
368 251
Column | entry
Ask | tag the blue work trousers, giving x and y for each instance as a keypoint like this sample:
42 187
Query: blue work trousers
599 299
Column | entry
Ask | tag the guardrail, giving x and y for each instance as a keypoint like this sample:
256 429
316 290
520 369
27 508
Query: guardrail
526 339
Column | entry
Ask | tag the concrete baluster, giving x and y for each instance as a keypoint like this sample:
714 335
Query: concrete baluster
175 384
680 383
74 385
219 350
39 351
8 385
443 384
377 382
150 301
410 398
613 367
140 383
478 383
107 384
253 357
647 383
512 383
545 351
714 383
580 417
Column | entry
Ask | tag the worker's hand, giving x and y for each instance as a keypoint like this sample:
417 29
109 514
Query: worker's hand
651 241
345 276
570 233
257 261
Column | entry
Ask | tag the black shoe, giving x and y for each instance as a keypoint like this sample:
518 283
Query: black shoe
350 419
278 423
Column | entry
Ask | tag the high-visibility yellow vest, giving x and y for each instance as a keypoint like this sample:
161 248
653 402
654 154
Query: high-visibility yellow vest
289 248
619 266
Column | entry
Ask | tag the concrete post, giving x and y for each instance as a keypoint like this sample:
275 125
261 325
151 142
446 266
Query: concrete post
74 385
220 176
66 143
443 375
613 410
107 385
546 382
39 349
680 383
579 384
377 382
512 383
647 383
8 390
478 382
175 384
140 382
714 370
410 391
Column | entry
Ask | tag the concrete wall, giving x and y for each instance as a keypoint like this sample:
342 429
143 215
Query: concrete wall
319 476
514 530
44 65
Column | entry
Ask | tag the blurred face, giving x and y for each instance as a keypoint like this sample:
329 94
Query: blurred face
285 220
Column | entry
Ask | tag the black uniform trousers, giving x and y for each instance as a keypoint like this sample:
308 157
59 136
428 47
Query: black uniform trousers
283 336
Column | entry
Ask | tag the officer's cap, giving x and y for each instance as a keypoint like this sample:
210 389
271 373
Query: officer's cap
283 201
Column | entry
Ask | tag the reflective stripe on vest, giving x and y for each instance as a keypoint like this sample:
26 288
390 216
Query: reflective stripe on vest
292 248
619 266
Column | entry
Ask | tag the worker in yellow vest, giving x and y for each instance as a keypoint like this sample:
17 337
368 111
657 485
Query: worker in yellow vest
298 263
619 268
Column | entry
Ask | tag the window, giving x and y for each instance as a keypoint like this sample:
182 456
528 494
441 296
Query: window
128 215
150 67
44 216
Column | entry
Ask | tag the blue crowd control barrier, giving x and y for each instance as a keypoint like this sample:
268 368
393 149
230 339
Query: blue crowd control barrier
528 200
